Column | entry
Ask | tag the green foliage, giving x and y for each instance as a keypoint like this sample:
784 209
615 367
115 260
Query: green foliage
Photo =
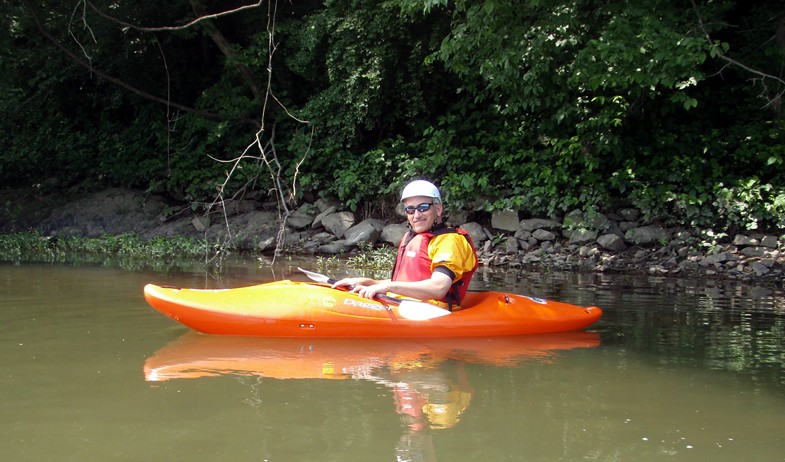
750 204
544 106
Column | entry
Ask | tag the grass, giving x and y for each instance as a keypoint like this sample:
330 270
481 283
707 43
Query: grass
371 262
125 250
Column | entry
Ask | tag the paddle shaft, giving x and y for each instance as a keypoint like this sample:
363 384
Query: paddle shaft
409 309
380 297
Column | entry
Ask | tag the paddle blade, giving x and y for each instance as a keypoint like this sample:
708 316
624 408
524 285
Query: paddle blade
317 277
419 311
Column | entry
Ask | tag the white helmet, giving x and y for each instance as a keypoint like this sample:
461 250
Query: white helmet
421 188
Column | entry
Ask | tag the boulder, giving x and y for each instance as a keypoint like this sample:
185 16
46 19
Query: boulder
582 236
543 235
629 214
740 240
719 258
647 235
337 223
577 219
476 232
317 222
505 220
753 251
769 242
302 217
611 242
365 232
334 248
534 224
324 204
392 234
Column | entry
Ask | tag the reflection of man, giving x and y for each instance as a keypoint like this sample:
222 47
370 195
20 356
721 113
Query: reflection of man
426 399
436 410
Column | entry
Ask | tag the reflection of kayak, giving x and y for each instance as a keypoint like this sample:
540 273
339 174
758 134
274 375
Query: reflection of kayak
298 309
196 355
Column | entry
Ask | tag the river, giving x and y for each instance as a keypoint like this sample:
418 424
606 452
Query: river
677 369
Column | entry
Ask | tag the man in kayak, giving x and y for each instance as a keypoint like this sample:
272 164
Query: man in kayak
435 262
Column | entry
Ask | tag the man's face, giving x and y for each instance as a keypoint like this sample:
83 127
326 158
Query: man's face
420 220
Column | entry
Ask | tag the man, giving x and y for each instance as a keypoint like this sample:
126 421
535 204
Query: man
435 262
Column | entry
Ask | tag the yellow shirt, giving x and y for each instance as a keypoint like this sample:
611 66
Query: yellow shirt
452 251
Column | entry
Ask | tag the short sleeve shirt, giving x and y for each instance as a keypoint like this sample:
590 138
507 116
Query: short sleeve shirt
452 251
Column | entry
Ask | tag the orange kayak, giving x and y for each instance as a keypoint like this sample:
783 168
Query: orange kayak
299 309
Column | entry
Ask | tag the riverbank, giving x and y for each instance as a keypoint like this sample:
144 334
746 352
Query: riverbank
619 241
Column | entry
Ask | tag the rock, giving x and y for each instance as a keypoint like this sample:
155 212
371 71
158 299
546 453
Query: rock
325 204
613 228
719 258
759 268
334 248
741 240
611 242
337 223
240 206
534 224
365 232
577 219
454 217
511 245
543 235
322 238
647 236
505 220
629 214
200 223
476 232
769 242
392 234
582 236
688 265
302 217
293 238
753 251
317 222
266 244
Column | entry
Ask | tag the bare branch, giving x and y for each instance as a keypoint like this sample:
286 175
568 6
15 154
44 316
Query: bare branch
719 53
174 28
223 45
121 83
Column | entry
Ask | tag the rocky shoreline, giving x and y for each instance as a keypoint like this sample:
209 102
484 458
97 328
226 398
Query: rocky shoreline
613 242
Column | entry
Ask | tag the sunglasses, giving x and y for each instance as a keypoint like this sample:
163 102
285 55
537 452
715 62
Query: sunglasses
422 208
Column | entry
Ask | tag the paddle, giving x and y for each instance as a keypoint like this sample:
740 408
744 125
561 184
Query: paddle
408 309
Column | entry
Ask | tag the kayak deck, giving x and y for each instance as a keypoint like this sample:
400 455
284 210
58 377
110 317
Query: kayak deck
298 309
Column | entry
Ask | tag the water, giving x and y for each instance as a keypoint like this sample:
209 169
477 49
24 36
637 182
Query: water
681 370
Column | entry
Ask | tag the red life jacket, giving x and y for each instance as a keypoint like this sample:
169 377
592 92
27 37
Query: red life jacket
414 264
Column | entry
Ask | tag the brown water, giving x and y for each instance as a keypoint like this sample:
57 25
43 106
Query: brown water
684 370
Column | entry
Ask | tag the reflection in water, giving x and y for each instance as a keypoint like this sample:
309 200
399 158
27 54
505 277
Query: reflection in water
427 378
427 399
198 355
